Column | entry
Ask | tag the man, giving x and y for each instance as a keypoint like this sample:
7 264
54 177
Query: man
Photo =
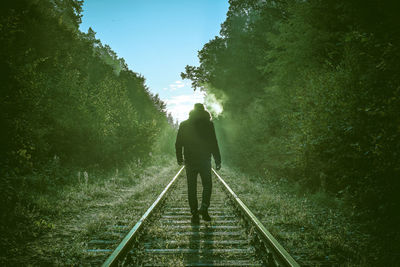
197 138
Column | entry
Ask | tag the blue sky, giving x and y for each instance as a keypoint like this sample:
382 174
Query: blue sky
158 38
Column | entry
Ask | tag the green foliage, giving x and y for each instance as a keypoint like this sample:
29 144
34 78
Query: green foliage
68 103
66 95
311 92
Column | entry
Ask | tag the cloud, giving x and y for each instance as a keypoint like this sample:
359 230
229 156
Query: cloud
179 106
176 85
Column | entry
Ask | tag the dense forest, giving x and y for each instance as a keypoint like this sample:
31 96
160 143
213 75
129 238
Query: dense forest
311 93
65 95
67 103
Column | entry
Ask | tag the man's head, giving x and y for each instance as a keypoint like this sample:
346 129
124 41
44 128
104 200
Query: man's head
199 112
198 106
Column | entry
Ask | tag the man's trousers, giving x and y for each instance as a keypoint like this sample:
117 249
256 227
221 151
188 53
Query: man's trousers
192 170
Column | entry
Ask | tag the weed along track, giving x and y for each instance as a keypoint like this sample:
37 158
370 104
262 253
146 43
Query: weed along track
165 236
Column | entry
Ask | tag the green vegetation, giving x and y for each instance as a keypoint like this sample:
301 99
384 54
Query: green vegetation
67 95
310 91
54 227
68 105
316 229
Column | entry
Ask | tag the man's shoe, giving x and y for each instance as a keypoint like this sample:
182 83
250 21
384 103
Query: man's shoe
204 214
195 219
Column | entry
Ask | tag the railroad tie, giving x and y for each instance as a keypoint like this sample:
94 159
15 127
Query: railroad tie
174 240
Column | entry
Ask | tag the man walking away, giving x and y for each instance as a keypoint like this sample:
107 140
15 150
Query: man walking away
197 138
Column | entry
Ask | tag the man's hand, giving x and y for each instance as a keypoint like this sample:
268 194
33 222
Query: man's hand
218 166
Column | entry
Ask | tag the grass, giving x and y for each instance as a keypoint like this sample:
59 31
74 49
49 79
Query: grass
53 226
316 229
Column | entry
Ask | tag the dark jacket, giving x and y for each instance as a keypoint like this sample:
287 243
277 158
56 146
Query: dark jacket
197 138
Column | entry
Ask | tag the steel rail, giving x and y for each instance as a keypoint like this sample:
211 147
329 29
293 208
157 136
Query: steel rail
122 248
267 237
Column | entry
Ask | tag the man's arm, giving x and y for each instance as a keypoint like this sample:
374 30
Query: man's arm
215 148
179 146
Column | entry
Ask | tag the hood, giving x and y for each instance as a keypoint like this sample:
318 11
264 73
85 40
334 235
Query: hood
196 114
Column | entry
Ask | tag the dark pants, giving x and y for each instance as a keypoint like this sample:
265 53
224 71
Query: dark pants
204 169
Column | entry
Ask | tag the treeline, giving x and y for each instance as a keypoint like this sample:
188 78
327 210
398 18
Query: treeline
311 92
66 96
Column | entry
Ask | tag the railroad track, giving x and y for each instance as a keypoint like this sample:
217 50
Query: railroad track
164 236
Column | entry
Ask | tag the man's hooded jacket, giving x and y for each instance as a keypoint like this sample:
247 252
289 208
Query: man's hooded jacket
197 138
